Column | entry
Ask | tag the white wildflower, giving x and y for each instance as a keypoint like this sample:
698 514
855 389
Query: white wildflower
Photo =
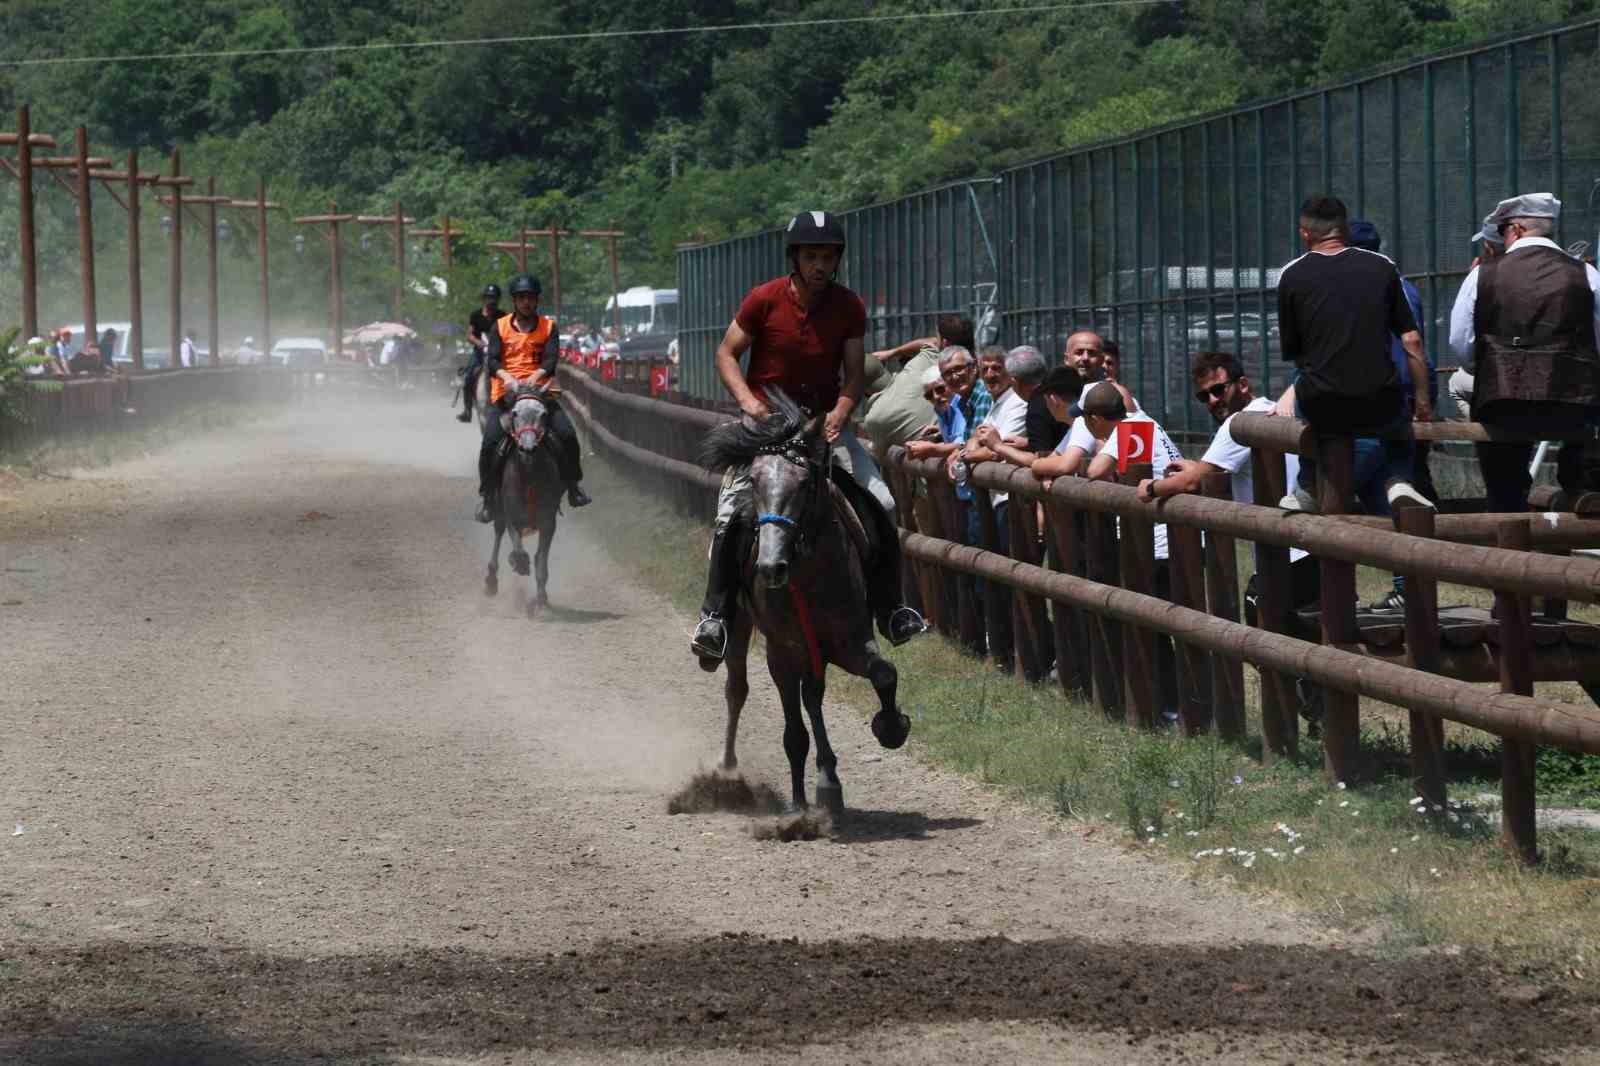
1344 803
1301 848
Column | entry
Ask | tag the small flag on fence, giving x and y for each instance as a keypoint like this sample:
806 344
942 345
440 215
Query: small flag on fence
1135 441
660 380
608 370
593 361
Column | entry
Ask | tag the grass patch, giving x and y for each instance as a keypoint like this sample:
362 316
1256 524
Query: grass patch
1362 858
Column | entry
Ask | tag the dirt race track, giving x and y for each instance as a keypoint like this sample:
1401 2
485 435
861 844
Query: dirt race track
288 788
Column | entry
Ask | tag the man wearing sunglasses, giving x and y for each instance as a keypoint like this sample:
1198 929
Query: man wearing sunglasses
1528 325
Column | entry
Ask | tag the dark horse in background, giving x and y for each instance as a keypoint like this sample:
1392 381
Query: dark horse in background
530 492
803 582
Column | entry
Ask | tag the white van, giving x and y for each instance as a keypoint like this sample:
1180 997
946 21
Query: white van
645 310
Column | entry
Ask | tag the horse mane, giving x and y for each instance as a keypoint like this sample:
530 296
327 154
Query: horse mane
738 442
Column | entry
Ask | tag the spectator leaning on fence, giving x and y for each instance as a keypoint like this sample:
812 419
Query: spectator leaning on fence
899 413
1528 323
1094 428
1337 307
950 420
1011 379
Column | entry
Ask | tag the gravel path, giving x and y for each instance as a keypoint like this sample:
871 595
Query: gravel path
289 786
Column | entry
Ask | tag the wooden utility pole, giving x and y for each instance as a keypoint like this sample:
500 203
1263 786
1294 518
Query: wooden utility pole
446 235
328 225
261 205
209 220
610 236
26 141
131 179
80 163
398 223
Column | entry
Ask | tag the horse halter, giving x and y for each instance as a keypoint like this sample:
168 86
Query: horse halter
803 526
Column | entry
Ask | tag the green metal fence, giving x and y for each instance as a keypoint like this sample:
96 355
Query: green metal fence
910 259
1170 240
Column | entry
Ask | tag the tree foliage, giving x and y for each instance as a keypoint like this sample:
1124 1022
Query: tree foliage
682 134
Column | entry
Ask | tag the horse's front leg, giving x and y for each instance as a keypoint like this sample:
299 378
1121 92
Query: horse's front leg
541 560
491 580
519 554
737 688
889 725
830 793
796 742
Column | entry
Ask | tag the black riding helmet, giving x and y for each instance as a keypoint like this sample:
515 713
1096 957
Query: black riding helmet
491 291
525 283
813 227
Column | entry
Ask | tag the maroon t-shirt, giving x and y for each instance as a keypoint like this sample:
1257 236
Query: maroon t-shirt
801 351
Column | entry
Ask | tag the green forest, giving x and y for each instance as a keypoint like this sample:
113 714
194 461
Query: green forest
669 136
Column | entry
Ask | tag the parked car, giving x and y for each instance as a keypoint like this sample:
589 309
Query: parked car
299 353
122 356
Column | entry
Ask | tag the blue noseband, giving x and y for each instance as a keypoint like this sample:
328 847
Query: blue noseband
775 519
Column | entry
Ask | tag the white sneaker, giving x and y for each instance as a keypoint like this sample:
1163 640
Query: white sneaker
1299 500
1404 494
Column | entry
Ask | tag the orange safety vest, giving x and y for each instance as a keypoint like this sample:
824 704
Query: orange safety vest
521 354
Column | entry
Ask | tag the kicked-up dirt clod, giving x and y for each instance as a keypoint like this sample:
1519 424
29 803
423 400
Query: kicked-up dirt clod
715 791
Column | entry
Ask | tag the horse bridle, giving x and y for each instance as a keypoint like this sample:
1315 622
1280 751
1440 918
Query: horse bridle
804 526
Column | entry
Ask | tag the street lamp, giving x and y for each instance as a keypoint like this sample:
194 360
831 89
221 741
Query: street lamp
299 244
166 225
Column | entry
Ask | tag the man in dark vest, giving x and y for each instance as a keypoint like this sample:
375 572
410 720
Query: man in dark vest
1528 322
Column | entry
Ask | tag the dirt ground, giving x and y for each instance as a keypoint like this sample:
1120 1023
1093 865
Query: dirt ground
287 787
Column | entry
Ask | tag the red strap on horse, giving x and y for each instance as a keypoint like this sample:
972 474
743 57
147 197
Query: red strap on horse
804 614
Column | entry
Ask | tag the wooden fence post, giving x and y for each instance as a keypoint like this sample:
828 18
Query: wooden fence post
1105 634
1222 598
1274 600
996 597
1186 577
968 602
1518 823
1035 644
1422 652
1341 718
1136 550
1065 556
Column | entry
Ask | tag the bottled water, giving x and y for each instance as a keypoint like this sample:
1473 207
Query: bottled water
958 470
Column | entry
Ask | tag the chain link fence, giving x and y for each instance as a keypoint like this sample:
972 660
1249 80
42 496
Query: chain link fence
1170 240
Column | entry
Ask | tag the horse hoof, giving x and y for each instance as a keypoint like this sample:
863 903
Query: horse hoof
491 585
891 728
831 798
533 608
519 563
708 664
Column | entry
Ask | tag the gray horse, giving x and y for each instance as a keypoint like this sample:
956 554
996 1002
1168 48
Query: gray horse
530 493
803 583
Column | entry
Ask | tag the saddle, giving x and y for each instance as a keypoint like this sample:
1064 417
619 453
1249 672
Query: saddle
864 520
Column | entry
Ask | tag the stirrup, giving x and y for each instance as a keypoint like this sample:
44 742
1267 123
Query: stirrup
902 624
710 640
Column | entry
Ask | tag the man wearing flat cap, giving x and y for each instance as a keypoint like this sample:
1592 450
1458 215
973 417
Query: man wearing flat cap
1528 323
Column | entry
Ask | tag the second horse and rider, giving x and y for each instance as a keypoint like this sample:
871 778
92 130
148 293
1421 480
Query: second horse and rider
804 335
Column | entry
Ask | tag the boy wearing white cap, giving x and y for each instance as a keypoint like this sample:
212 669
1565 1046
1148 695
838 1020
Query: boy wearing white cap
1528 324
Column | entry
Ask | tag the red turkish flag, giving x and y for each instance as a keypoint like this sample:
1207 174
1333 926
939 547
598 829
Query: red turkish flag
660 380
593 361
608 370
1135 442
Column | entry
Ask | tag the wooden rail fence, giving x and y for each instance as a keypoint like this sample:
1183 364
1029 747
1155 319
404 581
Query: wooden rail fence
1078 587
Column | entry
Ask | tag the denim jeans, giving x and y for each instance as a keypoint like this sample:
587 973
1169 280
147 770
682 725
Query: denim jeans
1377 461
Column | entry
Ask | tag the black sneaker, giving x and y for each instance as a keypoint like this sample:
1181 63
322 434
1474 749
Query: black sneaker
464 416
577 497
1395 601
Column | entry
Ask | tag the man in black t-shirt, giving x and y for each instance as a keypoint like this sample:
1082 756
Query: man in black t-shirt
480 327
1337 308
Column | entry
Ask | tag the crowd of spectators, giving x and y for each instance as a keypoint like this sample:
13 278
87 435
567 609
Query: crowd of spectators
1525 329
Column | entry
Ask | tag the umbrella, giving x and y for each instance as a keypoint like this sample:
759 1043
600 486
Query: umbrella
377 332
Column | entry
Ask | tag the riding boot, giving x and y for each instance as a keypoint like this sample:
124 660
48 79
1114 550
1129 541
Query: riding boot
576 496
896 621
710 640
485 475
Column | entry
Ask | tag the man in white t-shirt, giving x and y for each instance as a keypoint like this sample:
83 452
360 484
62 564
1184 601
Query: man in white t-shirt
1222 385
1016 374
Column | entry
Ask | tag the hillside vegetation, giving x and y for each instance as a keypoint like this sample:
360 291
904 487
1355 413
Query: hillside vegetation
710 134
